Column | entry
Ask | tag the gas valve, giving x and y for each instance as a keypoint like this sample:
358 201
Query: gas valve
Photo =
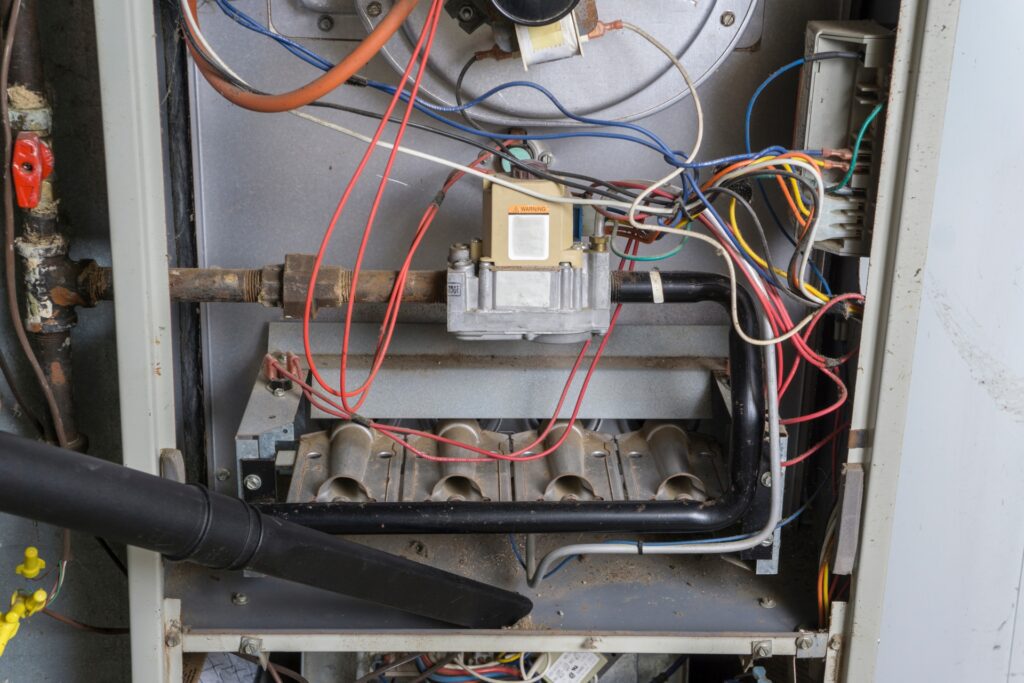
31 164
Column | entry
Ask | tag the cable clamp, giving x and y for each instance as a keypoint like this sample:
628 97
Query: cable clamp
657 290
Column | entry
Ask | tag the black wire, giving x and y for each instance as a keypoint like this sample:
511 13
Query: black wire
593 188
616 194
458 91
836 54
425 676
667 673
723 189
112 555
625 193
554 176
801 244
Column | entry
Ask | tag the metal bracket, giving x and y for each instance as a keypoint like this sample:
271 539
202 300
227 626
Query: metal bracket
761 649
837 623
172 465
173 639
850 504
254 648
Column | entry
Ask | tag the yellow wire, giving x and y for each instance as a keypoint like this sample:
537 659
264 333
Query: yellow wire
824 590
796 193
507 659
760 261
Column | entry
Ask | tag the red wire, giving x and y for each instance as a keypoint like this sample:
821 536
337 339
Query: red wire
778 317
431 29
395 299
816 447
426 36
318 401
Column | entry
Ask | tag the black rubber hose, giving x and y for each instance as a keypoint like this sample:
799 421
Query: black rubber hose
747 435
187 522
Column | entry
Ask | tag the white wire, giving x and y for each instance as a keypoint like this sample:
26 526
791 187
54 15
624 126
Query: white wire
732 286
774 515
819 203
460 665
532 673
193 25
654 210
698 107
498 180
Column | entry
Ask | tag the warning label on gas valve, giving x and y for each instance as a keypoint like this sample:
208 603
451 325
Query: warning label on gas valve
526 209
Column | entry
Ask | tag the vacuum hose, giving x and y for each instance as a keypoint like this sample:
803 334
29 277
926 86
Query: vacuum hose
188 522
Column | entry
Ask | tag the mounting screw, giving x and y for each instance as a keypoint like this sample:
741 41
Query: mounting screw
459 254
766 480
374 9
325 23
467 13
253 482
546 158
223 474
240 599
762 650
835 642
804 643
770 541
727 19
767 602
279 392
172 640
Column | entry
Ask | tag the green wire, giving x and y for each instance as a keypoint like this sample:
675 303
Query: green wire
646 259
856 149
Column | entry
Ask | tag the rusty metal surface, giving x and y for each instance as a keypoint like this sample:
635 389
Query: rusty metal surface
591 466
700 473
584 467
425 480
210 285
54 352
45 268
286 285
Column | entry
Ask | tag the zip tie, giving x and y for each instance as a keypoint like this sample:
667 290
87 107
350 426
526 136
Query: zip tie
657 291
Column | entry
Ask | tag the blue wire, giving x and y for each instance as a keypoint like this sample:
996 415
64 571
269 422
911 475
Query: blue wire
725 539
739 537
310 57
522 562
548 94
732 238
760 89
672 157
248 22
656 144
439 678
760 184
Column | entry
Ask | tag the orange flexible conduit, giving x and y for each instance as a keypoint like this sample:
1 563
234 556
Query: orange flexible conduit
316 89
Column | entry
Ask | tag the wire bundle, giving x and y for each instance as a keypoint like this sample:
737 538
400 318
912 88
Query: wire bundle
632 210
503 668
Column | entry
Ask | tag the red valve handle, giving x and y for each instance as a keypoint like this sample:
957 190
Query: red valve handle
31 163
